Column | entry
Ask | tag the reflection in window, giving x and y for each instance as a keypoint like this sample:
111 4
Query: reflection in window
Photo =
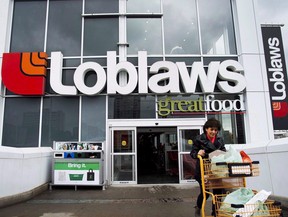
28 26
64 27
144 35
143 6
180 27
188 165
217 33
21 122
93 120
100 36
60 120
101 6
129 107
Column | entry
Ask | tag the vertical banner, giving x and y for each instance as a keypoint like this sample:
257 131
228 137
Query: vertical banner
276 74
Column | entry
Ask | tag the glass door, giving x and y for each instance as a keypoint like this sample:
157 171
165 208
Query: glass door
186 162
123 156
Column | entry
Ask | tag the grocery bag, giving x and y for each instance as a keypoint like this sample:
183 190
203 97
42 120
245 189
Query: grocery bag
231 156
240 196
262 209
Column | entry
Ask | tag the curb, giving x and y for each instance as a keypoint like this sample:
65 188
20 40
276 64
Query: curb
17 198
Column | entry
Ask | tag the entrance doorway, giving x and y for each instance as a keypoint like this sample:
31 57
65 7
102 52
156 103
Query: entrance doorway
157 155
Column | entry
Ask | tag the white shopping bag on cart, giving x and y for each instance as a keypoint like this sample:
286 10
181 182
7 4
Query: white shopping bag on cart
252 204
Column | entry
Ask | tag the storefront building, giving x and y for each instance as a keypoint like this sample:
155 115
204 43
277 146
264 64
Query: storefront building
142 76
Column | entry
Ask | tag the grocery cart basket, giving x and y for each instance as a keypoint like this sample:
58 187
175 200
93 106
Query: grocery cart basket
226 169
269 208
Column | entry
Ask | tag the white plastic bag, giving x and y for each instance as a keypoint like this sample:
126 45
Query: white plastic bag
231 156
253 204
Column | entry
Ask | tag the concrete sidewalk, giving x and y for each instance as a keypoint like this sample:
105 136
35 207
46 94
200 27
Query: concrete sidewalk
133 201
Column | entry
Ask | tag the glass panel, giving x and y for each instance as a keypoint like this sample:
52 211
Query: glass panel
71 62
208 60
150 60
100 35
186 139
28 26
67 77
188 60
188 165
131 107
101 6
172 163
144 35
123 168
124 141
180 27
187 162
21 122
217 31
233 129
101 61
143 6
64 27
60 120
93 118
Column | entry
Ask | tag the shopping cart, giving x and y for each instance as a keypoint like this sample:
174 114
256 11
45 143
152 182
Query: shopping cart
229 177
269 208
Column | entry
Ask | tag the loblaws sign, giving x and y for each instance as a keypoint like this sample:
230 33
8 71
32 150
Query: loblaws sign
229 73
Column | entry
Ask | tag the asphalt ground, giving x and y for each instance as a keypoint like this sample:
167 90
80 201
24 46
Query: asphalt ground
133 201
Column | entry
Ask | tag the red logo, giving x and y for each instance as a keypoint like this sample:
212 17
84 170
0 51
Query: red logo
25 73
280 109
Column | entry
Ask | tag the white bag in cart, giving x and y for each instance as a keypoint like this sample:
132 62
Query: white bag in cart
252 204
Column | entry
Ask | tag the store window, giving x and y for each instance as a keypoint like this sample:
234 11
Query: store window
100 35
143 6
101 6
180 27
233 128
144 34
28 27
21 122
60 120
64 27
131 107
144 27
93 118
216 23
